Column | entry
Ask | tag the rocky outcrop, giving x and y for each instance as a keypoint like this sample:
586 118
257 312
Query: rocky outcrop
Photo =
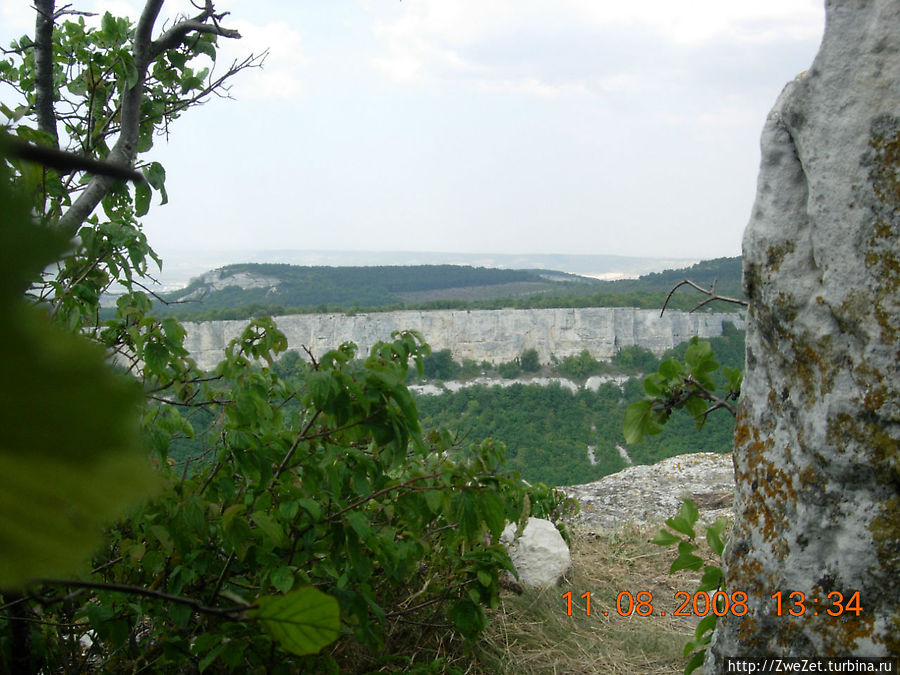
817 441
218 279
481 335
646 495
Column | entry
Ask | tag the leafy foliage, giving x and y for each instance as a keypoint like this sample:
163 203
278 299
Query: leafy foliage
316 520
687 384
682 534
54 450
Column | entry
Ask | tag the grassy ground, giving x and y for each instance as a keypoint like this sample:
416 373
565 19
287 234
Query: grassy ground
532 633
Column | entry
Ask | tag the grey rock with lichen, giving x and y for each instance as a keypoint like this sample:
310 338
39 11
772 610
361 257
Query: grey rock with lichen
817 441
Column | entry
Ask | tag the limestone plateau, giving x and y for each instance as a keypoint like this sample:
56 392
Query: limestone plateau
482 335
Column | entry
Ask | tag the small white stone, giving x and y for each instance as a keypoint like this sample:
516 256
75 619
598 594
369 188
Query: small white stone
540 555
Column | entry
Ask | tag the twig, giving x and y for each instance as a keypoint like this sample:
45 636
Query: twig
711 292
235 611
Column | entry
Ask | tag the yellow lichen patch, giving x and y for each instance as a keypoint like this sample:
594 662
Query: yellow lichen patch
888 331
885 178
839 634
874 398
776 253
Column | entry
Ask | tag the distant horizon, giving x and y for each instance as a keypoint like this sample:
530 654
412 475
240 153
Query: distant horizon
181 266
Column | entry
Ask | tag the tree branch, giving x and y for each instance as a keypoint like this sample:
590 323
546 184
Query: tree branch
125 149
43 68
711 292
68 161
234 612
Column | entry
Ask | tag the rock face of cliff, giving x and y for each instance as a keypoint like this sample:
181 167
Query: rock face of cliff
481 335
817 441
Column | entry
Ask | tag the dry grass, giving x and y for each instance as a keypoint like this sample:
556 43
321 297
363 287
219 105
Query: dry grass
531 634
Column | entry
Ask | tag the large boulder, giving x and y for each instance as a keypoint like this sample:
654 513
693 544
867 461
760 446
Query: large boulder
540 555
817 440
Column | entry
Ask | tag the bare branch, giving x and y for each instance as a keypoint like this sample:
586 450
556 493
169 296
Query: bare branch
235 612
711 292
67 161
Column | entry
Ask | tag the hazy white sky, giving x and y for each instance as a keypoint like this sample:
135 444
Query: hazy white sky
502 126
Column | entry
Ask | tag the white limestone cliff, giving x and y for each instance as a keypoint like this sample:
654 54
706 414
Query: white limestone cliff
481 335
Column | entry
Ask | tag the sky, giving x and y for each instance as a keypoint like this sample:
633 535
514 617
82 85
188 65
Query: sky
472 126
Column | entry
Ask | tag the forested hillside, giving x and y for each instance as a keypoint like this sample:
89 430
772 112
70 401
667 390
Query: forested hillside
242 291
547 429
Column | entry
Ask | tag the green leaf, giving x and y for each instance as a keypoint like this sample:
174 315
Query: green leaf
707 623
156 176
302 621
271 529
695 662
142 195
712 578
156 356
435 500
686 559
360 524
638 421
70 457
714 537
665 538
654 384
468 617
670 369
684 521
282 578
230 514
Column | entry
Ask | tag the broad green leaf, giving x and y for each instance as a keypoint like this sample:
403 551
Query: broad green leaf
70 458
282 578
689 512
680 524
695 662
231 513
156 356
653 384
434 499
312 507
492 510
639 421
468 617
714 537
142 195
271 529
665 538
360 524
707 623
156 176
302 622
670 369
712 577
686 559
697 352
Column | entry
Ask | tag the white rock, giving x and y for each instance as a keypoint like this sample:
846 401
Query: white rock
817 441
541 555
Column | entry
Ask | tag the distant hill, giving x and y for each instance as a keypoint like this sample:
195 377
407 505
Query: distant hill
255 289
